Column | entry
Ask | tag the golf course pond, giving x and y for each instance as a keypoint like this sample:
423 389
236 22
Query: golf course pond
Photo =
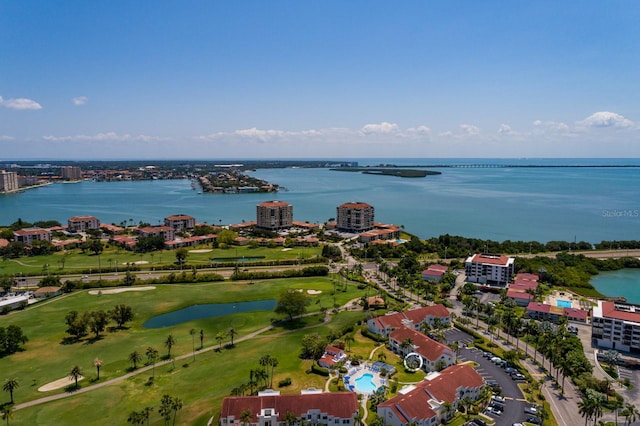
210 310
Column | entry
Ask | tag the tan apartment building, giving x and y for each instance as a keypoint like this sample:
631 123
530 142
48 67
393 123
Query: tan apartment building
8 181
180 222
274 215
82 223
355 217
29 235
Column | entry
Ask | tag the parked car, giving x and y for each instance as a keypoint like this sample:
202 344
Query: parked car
496 359
510 370
531 410
498 399
518 376
480 422
494 411
534 420
492 384
488 355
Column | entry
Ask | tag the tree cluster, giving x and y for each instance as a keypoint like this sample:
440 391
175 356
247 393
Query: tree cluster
11 338
260 377
79 325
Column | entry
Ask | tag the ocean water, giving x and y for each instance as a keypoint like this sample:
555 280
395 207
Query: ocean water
625 283
590 204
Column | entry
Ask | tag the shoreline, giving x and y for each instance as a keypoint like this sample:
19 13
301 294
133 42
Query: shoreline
24 188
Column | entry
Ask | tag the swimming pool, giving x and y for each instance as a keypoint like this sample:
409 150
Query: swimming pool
365 383
564 303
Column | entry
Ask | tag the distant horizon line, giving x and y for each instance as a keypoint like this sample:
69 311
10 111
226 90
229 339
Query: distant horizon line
315 158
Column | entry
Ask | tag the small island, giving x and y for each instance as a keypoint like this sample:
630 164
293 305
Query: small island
388 171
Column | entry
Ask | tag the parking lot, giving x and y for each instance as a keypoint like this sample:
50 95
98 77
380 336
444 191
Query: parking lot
514 403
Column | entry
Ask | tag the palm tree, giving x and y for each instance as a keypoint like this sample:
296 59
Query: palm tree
616 405
245 417
169 343
586 409
9 386
146 413
135 358
7 412
349 339
201 338
75 374
135 418
176 404
152 356
232 333
630 413
382 356
289 418
406 344
220 337
97 363
192 332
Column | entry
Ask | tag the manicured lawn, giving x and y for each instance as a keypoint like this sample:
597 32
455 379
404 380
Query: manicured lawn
75 261
201 385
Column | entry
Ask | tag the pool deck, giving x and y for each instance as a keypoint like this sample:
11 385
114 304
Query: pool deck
355 372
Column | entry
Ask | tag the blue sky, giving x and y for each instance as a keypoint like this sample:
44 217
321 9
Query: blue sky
286 79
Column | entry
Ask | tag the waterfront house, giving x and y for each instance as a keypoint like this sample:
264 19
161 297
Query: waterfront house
274 215
83 223
165 232
180 222
616 325
29 235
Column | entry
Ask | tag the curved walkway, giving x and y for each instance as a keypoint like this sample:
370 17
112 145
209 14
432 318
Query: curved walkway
167 361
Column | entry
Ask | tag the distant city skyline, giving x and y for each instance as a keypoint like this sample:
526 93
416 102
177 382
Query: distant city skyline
290 79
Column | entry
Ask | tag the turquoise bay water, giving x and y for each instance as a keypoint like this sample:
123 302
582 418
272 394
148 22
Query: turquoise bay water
625 283
543 204
210 310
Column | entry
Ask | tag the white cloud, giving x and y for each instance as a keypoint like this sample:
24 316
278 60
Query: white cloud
419 131
552 126
20 104
80 100
505 129
470 129
108 136
6 138
382 128
605 119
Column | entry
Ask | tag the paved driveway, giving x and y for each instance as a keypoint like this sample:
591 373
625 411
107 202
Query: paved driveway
515 403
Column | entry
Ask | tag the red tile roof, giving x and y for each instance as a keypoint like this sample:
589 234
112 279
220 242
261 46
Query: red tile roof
443 268
539 307
274 204
82 218
432 273
343 405
179 217
524 284
444 387
355 205
31 231
415 315
491 259
3 242
609 311
426 347
515 294
528 277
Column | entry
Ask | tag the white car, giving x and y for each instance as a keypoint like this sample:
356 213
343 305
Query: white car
498 399
496 359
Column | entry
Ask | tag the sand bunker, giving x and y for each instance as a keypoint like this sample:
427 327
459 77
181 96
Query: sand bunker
59 384
200 251
286 249
120 290
314 291
139 262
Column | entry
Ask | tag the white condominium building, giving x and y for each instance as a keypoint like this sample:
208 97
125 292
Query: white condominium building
489 269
